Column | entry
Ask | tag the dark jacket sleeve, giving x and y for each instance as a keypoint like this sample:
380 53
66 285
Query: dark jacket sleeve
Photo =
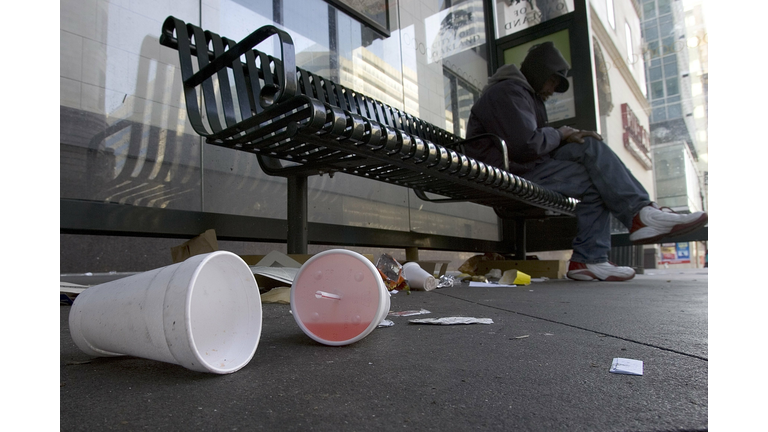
508 110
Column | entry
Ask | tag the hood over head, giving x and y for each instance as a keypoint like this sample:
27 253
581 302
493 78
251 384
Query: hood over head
541 62
506 72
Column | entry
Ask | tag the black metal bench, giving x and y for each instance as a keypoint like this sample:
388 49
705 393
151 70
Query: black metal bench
300 124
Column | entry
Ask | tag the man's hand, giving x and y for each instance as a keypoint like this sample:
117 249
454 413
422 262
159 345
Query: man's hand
574 135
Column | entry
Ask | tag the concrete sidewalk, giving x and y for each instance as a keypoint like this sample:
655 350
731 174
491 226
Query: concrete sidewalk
543 365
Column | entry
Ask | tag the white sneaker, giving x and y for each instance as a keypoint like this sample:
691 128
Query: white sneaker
652 223
606 271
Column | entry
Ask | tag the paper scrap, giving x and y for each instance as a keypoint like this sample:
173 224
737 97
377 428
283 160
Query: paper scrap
281 295
452 320
386 323
490 284
277 259
409 312
627 366
281 274
201 244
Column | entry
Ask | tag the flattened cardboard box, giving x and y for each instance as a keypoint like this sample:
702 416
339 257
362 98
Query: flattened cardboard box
553 269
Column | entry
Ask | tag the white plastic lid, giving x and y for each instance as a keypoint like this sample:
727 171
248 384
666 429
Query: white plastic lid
338 297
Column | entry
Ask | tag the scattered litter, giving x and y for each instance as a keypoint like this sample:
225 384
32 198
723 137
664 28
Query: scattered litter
515 277
201 244
493 275
280 295
409 313
549 334
446 281
522 337
278 266
627 366
418 278
386 323
452 320
392 273
540 279
489 284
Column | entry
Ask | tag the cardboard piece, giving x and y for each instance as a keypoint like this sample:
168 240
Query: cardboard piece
553 269
204 243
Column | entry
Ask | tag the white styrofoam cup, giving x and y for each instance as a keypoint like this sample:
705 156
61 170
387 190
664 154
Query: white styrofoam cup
203 314
418 278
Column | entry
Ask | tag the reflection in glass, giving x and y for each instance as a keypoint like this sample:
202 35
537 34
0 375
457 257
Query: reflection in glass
515 15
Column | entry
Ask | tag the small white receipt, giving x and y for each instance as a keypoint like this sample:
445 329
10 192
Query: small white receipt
627 366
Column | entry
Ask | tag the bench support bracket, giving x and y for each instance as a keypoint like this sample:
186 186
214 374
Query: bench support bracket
297 236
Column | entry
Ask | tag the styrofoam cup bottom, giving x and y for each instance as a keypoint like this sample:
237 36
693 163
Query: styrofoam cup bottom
418 278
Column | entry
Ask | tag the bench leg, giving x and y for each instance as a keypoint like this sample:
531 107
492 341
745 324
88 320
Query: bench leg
520 239
297 215
516 235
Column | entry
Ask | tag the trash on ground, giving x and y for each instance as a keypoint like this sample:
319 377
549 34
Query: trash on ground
280 274
277 266
493 275
386 323
540 279
627 366
515 277
204 243
392 273
410 313
280 295
470 265
418 278
489 284
446 281
452 320
522 337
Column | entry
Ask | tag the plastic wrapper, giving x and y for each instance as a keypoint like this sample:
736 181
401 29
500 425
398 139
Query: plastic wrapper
392 273
446 281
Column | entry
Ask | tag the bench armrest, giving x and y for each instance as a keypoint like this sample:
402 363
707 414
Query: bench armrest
280 84
496 140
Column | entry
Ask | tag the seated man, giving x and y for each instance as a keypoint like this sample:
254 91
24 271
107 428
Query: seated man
573 162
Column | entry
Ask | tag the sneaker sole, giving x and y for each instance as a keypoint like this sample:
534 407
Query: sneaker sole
586 275
677 230
581 275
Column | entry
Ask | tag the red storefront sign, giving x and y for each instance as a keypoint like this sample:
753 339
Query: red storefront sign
636 138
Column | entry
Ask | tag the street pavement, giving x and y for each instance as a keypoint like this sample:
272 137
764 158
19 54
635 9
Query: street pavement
542 365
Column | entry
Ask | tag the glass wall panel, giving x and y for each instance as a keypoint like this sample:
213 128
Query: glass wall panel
444 47
515 15
124 137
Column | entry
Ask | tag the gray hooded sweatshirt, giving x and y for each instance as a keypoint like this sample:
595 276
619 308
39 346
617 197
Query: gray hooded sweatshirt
509 107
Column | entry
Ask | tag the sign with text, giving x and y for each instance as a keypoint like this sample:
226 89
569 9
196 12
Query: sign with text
675 253
636 138
515 15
